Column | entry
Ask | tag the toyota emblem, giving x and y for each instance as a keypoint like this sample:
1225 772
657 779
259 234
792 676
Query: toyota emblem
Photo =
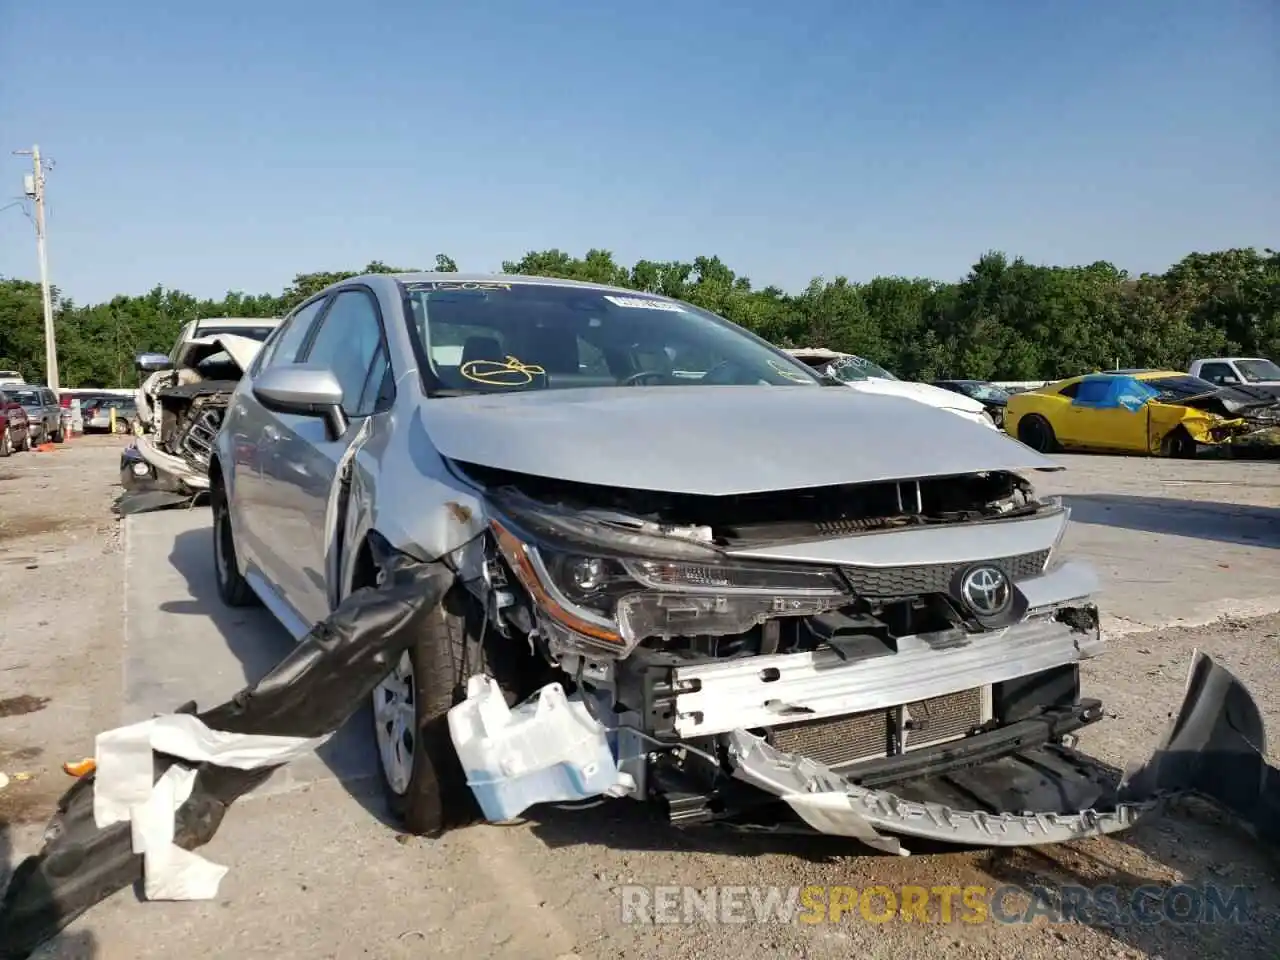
987 591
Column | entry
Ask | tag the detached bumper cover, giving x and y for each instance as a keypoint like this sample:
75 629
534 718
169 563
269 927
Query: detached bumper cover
1215 748
310 693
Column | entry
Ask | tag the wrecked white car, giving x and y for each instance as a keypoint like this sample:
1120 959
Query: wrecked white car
180 405
874 638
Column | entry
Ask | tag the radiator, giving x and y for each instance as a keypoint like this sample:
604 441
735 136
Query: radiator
864 736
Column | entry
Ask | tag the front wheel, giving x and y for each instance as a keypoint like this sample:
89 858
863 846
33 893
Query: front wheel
60 436
27 443
1037 433
232 586
426 786
6 443
1179 445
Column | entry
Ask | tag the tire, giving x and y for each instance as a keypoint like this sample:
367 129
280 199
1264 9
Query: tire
1178 445
27 442
1037 433
233 589
6 443
432 796
60 436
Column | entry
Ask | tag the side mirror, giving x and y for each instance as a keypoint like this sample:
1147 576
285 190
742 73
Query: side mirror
152 362
305 392
1228 379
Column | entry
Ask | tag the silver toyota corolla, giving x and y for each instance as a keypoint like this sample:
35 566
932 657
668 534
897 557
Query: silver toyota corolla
777 594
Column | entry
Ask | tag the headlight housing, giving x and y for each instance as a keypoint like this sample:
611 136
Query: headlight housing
613 588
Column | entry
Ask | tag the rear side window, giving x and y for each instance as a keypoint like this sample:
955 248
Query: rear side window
1069 390
1093 391
1216 372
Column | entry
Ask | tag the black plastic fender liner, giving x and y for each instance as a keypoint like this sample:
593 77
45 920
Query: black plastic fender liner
310 693
1216 747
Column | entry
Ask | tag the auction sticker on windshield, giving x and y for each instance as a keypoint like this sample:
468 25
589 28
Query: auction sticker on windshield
641 303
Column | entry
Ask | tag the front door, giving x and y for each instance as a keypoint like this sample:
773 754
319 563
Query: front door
300 468
254 432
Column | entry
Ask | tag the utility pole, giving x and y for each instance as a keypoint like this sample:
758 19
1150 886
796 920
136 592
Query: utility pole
34 189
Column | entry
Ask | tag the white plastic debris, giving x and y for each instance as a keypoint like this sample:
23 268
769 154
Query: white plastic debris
545 750
125 788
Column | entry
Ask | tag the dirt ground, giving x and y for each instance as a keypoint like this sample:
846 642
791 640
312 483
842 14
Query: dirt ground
317 875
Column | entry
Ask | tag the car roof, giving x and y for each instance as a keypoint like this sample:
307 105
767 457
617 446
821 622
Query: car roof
437 277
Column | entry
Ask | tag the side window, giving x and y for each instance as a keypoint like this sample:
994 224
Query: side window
1216 372
283 347
1069 390
349 336
1093 392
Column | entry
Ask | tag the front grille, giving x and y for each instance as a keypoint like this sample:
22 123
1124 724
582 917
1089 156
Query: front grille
198 443
912 581
865 736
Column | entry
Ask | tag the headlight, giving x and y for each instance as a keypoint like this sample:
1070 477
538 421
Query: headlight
610 599
1055 558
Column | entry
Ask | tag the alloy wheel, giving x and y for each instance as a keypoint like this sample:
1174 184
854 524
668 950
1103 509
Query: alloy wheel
395 714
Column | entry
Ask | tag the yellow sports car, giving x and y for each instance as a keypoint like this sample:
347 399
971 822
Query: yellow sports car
1153 412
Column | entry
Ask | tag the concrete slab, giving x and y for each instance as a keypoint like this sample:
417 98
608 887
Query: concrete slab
182 643
1176 542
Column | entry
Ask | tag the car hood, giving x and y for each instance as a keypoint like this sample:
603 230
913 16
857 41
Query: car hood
241 349
717 441
920 392
1237 401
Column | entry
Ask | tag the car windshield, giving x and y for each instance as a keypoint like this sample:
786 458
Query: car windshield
986 392
1256 371
253 333
1180 388
852 368
486 336
25 397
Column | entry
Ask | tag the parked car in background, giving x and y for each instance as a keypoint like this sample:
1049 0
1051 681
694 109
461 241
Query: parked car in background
866 377
181 402
98 419
992 397
43 410
11 378
15 430
1258 372
1153 412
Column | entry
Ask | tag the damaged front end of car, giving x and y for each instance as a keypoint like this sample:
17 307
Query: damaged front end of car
1242 421
180 409
877 661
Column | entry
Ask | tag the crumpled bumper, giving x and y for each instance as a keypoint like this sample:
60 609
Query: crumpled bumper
1216 748
154 480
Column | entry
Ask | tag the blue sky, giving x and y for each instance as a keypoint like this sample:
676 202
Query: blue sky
234 144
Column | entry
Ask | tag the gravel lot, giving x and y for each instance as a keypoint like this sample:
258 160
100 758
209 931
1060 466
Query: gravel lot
1188 552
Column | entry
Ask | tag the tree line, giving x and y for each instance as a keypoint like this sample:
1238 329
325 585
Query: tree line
1007 319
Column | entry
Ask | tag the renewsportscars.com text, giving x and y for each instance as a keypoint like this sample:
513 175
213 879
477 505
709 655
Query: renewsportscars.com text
906 903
